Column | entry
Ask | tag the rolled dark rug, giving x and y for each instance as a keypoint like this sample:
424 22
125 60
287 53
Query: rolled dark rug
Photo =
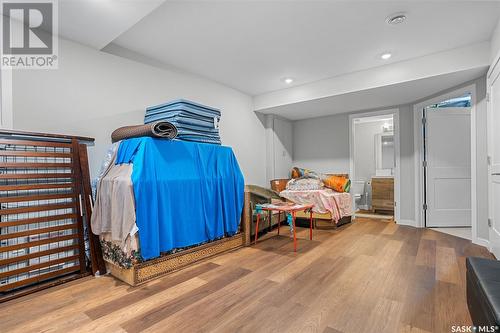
158 129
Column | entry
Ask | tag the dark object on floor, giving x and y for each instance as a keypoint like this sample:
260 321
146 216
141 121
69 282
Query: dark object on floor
159 129
483 291
323 224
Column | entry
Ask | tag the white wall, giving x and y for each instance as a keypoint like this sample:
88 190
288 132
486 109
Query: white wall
279 147
92 93
283 147
1 94
481 159
495 42
407 165
322 144
6 98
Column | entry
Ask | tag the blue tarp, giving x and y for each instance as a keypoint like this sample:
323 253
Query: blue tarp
186 193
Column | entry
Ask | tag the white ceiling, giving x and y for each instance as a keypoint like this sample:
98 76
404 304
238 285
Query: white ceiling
96 23
252 45
377 98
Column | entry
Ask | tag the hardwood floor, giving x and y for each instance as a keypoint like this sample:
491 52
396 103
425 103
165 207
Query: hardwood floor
370 276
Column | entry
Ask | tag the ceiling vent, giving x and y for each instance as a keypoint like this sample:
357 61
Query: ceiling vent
395 19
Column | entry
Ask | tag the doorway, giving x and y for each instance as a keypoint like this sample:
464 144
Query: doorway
494 158
374 164
446 162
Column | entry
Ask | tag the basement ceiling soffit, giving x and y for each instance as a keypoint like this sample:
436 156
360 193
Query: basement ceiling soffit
471 57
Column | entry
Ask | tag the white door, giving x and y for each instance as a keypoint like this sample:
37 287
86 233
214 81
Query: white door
494 153
448 173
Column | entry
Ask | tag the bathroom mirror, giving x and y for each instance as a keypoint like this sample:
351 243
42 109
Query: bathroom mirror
384 154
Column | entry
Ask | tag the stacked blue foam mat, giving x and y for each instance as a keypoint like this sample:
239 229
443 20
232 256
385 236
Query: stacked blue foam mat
194 122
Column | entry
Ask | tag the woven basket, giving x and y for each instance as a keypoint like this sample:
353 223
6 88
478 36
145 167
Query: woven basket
279 185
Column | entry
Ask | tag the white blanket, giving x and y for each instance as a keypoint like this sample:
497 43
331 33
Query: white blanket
114 208
325 200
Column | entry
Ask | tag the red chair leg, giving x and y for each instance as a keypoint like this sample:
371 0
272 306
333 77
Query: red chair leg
257 228
311 225
294 233
279 222
270 218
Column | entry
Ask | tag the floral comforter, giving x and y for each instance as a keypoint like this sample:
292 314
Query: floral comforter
325 200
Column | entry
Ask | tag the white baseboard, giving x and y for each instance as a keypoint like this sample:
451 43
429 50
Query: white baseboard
410 223
482 242
374 216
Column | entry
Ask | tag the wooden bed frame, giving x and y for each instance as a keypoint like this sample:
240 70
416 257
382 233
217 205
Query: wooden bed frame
322 221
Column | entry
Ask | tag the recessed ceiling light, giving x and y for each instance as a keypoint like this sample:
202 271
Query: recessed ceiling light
396 19
386 56
288 80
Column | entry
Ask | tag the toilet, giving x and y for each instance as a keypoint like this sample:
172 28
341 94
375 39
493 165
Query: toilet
357 192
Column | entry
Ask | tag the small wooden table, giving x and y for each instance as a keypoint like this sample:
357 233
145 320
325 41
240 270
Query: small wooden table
291 209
